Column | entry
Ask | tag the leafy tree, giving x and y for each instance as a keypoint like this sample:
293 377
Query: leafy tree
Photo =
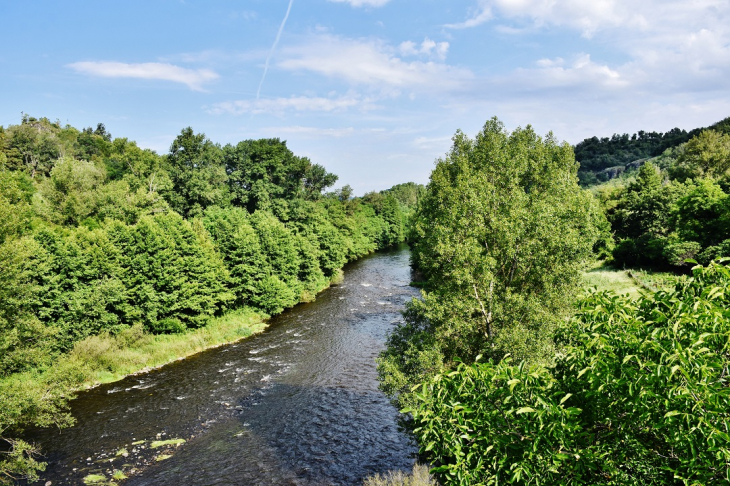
93 144
197 173
702 214
645 206
500 236
16 191
32 146
261 172
68 196
81 289
238 244
706 155
316 179
171 271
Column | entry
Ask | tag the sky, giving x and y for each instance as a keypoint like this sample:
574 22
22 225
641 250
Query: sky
371 89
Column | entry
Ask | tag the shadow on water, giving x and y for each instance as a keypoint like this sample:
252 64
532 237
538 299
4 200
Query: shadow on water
297 404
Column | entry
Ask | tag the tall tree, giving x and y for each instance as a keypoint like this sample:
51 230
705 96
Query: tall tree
500 237
197 173
262 171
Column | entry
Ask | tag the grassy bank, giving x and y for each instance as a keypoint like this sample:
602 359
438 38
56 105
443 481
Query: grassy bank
40 397
110 358
606 277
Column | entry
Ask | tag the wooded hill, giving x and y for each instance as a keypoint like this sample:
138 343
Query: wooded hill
602 159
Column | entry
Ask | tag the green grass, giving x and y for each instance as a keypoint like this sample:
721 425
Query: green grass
654 281
109 358
419 477
604 277
631 282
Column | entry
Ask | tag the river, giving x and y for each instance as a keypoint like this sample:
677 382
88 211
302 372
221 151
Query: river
295 405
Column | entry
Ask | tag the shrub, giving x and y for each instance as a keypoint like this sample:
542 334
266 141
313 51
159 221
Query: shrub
638 396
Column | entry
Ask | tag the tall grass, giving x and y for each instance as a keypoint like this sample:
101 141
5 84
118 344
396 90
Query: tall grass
108 358
418 477
604 277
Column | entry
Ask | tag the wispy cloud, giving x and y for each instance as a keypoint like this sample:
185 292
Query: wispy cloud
294 103
426 48
482 13
363 3
192 78
315 132
371 63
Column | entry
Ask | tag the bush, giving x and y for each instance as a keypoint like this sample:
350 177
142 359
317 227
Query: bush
638 396
677 253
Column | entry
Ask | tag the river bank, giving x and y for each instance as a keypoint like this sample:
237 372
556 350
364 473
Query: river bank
295 404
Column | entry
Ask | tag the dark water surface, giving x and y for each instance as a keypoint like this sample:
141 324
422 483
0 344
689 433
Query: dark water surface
297 404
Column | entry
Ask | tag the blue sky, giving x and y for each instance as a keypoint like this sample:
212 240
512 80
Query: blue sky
371 89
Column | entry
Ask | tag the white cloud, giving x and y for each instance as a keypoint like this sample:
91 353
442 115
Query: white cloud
427 48
294 103
481 14
667 47
192 78
371 63
590 17
363 3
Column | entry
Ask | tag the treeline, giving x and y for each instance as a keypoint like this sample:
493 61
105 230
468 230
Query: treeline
605 158
98 235
503 381
675 212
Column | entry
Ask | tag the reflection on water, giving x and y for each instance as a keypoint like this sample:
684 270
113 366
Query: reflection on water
297 404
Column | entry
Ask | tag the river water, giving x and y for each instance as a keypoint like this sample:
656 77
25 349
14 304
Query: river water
295 405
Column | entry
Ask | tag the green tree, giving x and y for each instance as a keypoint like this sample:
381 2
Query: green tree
172 272
262 172
32 146
68 196
501 235
706 155
238 244
702 214
197 173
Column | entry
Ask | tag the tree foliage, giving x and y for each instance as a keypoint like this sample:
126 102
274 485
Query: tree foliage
499 237
637 396
100 236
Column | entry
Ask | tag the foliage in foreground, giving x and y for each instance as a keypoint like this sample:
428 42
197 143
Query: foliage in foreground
638 396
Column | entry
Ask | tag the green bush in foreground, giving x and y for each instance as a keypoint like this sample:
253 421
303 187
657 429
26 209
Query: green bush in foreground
638 396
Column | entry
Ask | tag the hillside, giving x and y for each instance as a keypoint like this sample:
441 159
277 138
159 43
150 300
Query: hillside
602 159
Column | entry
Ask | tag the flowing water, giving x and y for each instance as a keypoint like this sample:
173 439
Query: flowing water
297 404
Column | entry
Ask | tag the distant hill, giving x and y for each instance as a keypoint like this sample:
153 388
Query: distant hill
605 158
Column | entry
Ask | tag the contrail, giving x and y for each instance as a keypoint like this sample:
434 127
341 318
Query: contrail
273 48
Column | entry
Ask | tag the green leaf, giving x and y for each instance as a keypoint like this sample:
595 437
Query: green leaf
525 410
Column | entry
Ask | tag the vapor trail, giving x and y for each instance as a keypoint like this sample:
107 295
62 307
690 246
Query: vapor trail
273 48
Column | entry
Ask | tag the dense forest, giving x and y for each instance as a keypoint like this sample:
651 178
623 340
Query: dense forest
99 237
602 159
508 372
